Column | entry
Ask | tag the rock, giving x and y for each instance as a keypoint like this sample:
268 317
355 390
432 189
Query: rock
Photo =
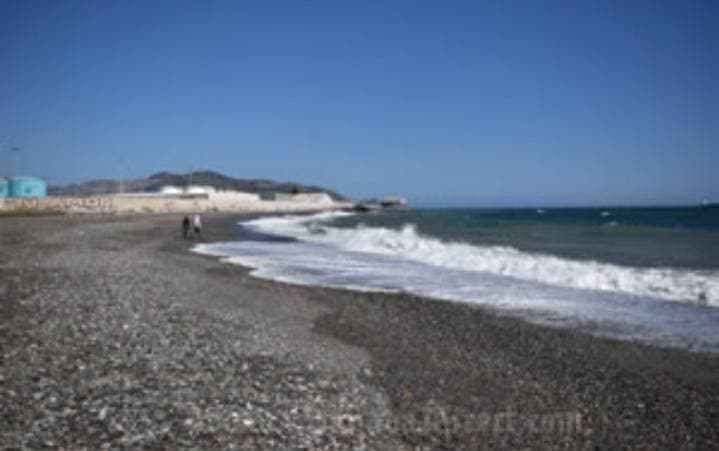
159 414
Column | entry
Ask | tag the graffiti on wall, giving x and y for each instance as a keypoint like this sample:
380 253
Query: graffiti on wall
90 204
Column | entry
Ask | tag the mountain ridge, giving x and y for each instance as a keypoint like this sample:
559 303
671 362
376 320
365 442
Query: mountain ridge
154 182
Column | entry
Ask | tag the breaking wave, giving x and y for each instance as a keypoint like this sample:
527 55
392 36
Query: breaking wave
605 299
698 287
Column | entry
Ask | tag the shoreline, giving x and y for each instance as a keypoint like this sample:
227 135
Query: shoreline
355 316
405 296
615 297
418 372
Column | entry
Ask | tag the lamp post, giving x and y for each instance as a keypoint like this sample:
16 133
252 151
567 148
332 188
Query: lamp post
122 175
14 156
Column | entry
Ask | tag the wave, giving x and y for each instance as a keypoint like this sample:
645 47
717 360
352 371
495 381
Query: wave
690 286
601 298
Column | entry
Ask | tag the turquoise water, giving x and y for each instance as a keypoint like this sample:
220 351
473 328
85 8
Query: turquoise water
684 237
645 274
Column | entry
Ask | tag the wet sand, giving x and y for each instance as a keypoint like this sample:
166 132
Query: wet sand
113 334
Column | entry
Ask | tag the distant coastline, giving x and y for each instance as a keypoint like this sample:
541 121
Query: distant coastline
194 192
155 182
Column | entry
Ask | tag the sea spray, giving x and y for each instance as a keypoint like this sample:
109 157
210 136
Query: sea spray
655 305
692 286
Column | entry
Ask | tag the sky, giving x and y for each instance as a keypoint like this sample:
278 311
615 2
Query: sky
449 103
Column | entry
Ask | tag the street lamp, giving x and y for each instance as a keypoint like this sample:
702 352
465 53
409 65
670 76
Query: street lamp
14 156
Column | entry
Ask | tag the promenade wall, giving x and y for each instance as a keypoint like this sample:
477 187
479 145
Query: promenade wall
163 204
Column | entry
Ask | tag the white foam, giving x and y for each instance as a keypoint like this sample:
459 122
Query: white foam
697 287
619 301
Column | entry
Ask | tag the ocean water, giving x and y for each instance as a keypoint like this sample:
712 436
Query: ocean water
645 274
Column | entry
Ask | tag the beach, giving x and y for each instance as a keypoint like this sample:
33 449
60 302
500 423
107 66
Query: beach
114 335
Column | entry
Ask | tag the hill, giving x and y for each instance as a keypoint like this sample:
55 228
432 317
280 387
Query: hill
156 181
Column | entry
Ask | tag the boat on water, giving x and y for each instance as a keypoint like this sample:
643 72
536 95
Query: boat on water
707 204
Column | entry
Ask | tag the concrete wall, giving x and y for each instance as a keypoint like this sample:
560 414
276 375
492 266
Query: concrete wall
158 204
58 204
234 196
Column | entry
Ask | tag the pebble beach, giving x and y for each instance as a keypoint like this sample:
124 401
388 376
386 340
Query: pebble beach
113 335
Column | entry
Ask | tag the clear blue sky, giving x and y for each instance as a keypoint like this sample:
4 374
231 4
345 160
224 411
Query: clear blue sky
447 102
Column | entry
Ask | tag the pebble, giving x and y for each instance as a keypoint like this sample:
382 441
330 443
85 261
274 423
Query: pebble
113 345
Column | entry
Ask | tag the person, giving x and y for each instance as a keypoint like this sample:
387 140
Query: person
186 227
197 224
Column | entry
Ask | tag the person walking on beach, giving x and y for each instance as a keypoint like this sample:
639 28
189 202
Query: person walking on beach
186 227
197 224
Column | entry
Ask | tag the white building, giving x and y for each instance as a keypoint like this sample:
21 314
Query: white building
169 189
313 198
200 189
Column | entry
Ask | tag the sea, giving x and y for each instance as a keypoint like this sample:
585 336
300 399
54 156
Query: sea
641 274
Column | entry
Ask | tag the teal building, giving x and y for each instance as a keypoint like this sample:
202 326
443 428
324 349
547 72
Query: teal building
27 187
